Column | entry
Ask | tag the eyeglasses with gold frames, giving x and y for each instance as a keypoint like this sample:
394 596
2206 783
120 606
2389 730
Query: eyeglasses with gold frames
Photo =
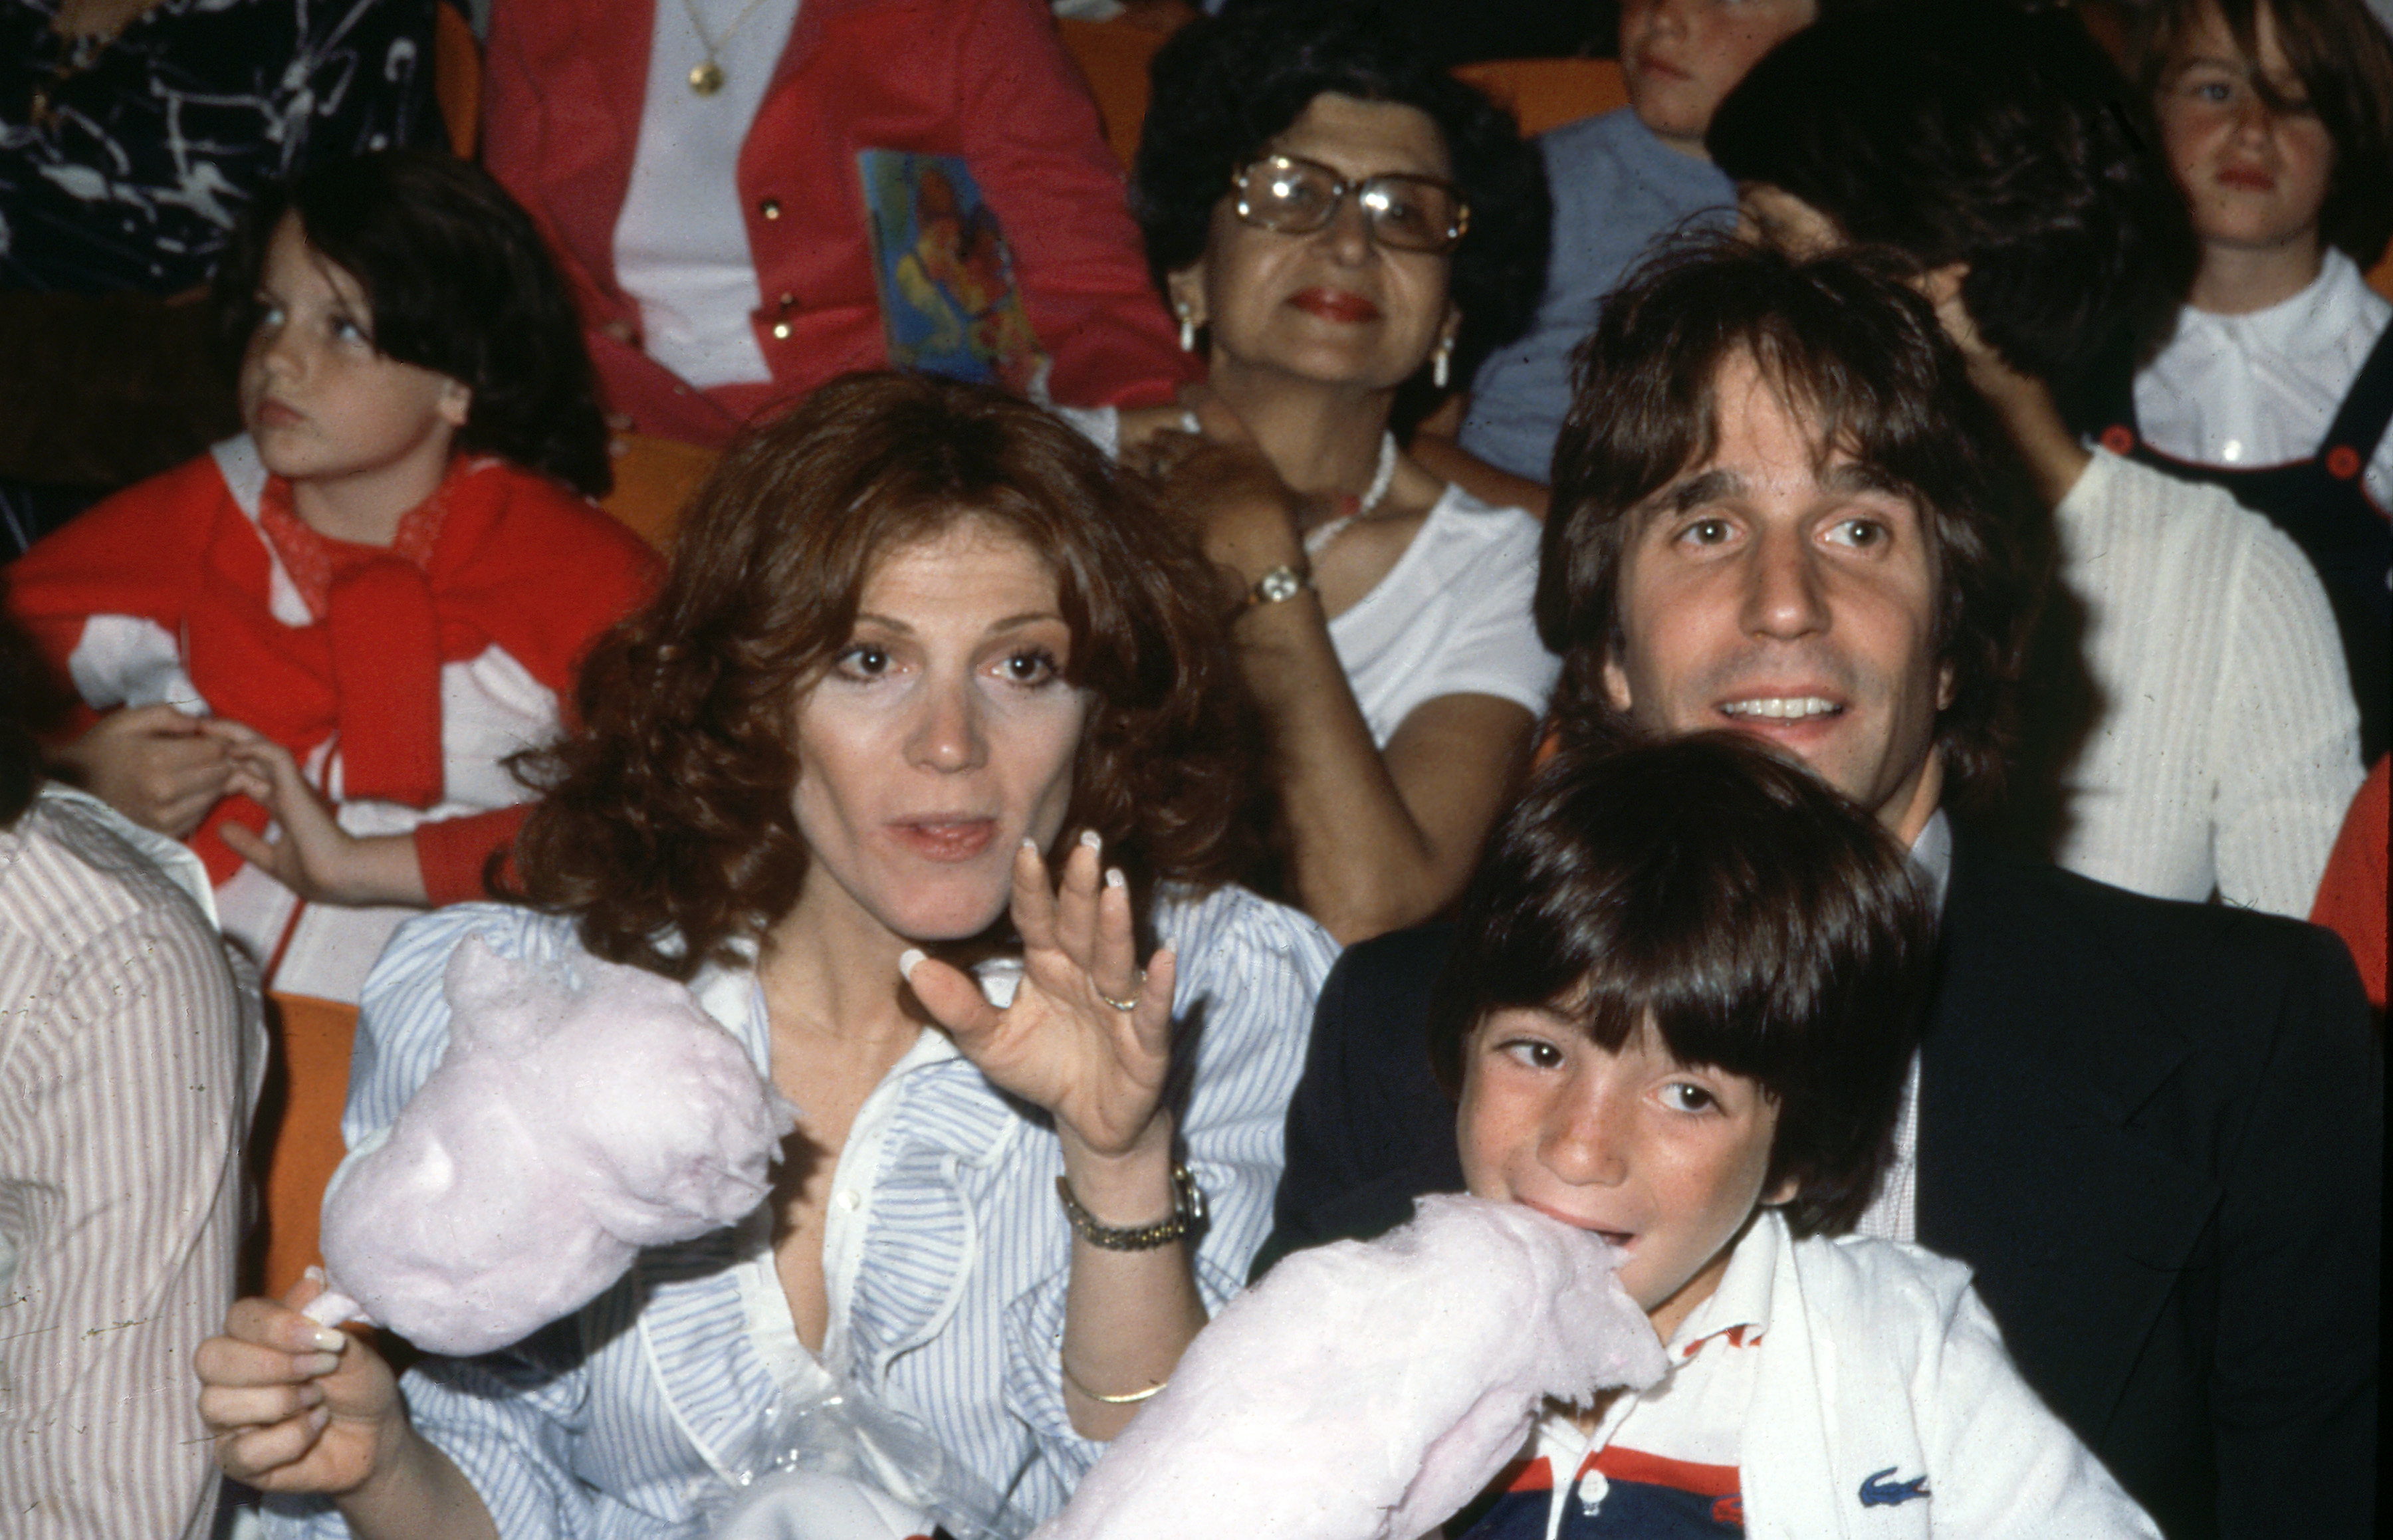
1294 196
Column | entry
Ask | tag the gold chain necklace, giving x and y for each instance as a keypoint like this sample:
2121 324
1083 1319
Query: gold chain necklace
706 78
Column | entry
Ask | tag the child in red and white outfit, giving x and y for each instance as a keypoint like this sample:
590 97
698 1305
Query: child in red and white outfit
309 651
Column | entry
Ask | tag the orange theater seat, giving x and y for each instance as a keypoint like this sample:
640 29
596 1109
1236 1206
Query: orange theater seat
654 481
1547 93
1113 57
298 1140
457 77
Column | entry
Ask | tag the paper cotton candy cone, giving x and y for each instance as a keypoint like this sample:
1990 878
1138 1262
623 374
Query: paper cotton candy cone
566 1125
1366 1391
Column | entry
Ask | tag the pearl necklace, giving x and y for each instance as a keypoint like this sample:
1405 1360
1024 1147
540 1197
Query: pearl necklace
1317 539
707 78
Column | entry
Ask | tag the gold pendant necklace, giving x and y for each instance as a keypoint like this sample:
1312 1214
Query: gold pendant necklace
706 77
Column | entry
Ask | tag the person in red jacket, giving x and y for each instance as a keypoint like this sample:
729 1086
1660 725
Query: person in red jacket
371 598
694 165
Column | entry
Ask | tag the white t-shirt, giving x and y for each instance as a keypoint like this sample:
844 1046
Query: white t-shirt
681 240
1451 618
2261 389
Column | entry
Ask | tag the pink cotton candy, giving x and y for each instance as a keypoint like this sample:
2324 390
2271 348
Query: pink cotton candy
565 1129
1368 1392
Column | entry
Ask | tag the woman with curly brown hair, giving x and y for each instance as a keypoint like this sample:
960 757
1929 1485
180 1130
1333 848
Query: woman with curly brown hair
919 642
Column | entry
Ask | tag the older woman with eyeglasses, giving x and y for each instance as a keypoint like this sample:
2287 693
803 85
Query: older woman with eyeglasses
1346 228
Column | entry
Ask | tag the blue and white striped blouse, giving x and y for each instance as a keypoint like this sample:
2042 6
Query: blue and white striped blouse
945 1251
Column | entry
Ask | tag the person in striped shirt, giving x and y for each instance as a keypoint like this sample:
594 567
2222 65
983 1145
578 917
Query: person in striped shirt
130 1058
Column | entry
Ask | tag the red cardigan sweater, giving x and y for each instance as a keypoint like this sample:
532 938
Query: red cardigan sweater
983 79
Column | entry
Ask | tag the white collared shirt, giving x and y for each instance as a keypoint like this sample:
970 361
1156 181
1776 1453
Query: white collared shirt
1893 1213
2262 389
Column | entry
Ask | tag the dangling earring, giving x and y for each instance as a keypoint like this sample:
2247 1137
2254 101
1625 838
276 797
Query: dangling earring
1440 361
1187 329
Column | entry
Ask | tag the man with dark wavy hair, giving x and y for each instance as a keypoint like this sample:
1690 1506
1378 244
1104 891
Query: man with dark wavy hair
2008 166
2153 1129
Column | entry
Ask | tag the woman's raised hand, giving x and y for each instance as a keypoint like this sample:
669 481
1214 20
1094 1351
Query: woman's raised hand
1088 1036
295 1406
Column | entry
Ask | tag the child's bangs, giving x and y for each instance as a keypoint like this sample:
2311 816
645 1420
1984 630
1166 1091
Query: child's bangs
1700 1012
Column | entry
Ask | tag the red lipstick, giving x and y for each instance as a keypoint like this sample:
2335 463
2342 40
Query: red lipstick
1335 304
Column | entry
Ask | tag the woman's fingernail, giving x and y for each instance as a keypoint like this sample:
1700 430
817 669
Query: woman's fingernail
907 959
309 1366
319 1417
1031 844
1114 878
1092 839
330 1340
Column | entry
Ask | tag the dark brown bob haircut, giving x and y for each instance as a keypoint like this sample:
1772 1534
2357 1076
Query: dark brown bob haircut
2345 62
1847 345
459 282
1759 921
667 828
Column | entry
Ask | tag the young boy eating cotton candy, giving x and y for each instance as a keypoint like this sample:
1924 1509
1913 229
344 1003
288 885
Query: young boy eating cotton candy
1679 1013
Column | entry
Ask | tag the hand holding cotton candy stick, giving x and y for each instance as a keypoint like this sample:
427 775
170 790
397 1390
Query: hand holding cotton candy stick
1368 1392
567 1126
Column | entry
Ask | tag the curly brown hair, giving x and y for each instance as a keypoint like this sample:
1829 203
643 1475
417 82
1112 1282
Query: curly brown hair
667 827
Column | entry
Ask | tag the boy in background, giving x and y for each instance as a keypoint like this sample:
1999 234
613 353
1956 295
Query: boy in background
1618 181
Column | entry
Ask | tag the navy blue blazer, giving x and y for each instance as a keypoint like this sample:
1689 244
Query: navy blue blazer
2155 1132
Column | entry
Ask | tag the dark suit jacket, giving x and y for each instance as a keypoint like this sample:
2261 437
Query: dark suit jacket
2154 1129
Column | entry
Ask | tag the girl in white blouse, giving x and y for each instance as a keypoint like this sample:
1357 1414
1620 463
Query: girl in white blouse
2277 116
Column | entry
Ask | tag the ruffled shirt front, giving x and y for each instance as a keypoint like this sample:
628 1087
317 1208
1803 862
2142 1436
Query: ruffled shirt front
945 1255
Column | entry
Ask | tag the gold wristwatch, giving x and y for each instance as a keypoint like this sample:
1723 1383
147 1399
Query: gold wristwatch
1277 586
1188 1217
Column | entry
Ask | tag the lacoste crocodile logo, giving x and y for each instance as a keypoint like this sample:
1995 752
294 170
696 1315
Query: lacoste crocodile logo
1877 1492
